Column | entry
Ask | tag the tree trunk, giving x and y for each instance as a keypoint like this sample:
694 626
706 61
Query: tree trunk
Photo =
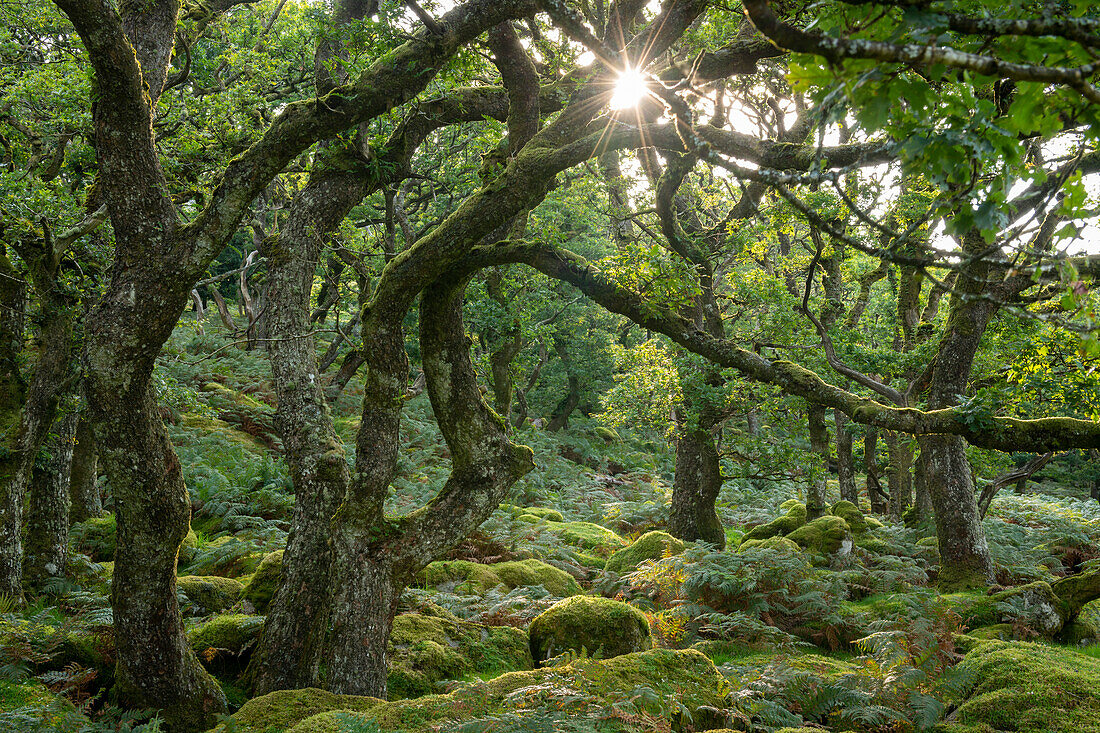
845 464
156 667
870 467
560 417
695 488
291 649
84 499
922 497
51 377
375 556
48 515
899 476
816 496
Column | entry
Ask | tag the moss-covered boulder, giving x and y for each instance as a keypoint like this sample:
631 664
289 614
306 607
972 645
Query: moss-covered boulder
1033 606
851 514
262 585
226 556
827 535
794 517
1085 629
426 649
1032 688
210 593
38 709
650 546
682 679
586 535
1077 590
600 626
471 578
224 643
533 514
282 710
778 542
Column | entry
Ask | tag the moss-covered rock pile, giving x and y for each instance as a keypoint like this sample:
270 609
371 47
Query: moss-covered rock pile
687 678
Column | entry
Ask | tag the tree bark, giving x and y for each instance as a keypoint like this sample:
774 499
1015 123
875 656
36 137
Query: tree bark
48 514
84 498
870 468
375 556
899 475
816 496
291 648
695 488
845 464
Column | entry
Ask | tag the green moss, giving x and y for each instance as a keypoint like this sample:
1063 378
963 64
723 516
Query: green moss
426 649
794 517
1085 629
550 515
1035 603
224 643
778 542
685 676
600 540
827 534
996 631
650 546
597 625
210 593
851 514
607 434
262 585
473 578
283 709
1032 688
40 709
1077 590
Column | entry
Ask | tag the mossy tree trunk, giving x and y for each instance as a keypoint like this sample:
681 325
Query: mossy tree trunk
48 513
816 490
85 501
290 651
845 463
899 472
485 464
695 488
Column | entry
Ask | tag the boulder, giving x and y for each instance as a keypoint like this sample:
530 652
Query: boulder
427 648
1031 688
210 593
827 535
650 546
224 643
851 514
794 517
599 626
472 578
265 581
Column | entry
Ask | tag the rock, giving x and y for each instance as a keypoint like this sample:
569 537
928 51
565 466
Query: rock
777 542
472 578
210 593
587 535
283 709
1034 603
265 581
599 626
650 546
1031 688
794 518
827 535
851 514
1077 590
533 514
683 678
426 649
224 643
607 435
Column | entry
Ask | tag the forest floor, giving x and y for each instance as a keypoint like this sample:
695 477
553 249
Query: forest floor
571 610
